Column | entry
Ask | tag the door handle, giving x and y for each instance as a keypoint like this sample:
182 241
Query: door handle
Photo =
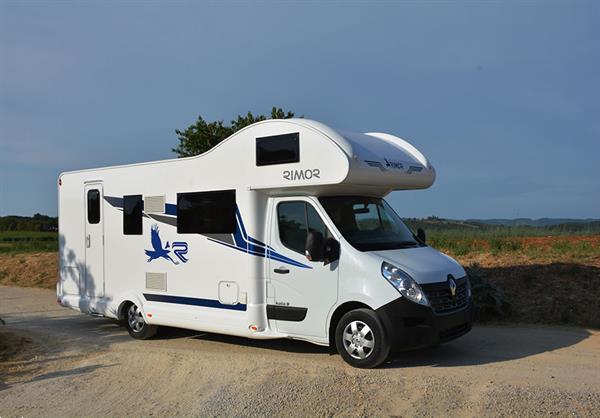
88 241
282 270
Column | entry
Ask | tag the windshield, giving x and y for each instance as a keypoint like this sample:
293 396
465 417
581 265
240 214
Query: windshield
368 223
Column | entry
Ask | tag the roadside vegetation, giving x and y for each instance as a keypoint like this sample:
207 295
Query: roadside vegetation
548 274
28 241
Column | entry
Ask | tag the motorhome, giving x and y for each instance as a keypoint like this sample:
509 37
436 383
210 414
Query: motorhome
279 231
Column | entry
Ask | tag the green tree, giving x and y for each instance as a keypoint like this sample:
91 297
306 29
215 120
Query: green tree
203 135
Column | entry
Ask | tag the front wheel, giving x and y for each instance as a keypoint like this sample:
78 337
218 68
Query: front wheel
136 326
361 340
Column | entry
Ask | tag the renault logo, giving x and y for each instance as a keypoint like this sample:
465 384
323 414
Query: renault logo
452 286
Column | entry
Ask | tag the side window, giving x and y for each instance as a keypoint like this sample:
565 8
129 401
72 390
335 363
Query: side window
278 149
292 225
206 212
295 220
132 214
93 206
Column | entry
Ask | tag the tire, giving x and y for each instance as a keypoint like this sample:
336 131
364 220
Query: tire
360 339
136 325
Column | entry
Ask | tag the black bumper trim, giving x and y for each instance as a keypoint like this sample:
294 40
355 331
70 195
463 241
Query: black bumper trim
286 313
409 325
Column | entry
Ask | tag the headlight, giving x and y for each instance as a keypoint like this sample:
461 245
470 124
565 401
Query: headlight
404 283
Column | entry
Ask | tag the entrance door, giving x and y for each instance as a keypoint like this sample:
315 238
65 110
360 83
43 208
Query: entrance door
304 291
94 241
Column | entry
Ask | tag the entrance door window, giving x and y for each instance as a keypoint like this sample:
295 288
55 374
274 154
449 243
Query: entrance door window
93 206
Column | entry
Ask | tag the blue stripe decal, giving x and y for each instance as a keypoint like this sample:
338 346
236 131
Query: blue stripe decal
171 209
182 300
243 242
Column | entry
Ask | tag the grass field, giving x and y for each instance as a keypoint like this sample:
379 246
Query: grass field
28 241
543 279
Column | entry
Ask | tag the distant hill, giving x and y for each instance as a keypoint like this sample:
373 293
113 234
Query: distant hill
43 223
542 222
521 226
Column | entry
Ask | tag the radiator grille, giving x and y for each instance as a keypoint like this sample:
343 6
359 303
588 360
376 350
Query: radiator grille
441 299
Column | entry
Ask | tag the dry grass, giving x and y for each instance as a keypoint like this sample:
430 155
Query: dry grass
13 346
550 280
546 279
19 355
29 269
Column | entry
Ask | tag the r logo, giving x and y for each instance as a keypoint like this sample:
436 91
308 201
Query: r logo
180 249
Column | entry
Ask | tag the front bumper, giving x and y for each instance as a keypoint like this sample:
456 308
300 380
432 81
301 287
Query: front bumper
410 325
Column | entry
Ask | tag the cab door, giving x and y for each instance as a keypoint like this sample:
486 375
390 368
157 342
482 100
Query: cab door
94 240
301 292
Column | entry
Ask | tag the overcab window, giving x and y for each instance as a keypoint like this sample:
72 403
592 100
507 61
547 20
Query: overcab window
206 212
278 149
133 206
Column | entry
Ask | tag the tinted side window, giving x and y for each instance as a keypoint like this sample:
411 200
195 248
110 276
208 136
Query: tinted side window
206 212
292 225
132 214
93 206
295 220
278 149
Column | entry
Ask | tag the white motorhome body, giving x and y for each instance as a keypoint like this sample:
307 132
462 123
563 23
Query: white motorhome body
217 242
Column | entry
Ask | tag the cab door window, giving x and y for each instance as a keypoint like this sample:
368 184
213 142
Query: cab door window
295 220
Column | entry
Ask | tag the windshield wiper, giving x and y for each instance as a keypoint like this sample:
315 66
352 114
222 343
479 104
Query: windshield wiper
404 244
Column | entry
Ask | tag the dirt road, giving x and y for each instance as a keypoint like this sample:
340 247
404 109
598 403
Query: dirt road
90 366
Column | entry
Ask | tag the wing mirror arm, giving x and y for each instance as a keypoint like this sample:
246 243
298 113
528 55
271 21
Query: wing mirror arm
421 235
318 248
332 251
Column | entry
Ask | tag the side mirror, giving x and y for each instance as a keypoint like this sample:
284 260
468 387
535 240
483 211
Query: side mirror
421 235
315 246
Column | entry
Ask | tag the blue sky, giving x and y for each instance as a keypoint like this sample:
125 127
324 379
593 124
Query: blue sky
504 98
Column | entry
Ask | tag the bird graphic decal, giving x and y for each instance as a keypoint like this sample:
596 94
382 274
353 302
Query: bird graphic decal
158 251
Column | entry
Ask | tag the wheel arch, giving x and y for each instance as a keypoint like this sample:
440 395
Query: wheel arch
125 301
337 314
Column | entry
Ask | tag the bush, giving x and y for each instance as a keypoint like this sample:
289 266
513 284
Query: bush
561 246
498 245
489 302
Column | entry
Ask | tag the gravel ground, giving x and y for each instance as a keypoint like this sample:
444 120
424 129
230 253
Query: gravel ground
84 366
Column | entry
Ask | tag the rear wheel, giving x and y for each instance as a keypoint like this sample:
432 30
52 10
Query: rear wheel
137 327
361 340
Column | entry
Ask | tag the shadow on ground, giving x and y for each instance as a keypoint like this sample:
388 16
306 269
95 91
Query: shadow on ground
483 345
492 344
71 372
